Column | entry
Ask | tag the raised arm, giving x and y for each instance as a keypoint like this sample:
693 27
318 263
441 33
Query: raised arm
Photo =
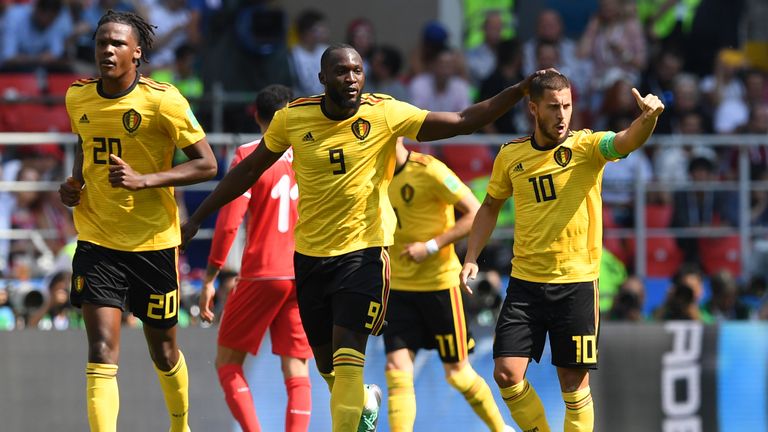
234 184
439 125
631 138
482 227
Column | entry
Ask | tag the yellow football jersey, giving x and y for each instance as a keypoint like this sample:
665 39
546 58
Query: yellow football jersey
142 126
343 169
422 193
559 219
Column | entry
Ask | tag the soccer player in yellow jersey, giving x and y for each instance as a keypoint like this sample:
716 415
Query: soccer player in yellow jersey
425 307
125 213
344 157
554 176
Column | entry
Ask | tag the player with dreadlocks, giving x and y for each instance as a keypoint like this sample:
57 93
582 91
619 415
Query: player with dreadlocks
125 213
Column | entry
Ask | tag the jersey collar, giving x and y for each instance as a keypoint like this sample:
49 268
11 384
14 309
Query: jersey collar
130 88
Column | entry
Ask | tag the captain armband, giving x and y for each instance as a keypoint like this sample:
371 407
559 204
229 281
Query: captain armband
608 149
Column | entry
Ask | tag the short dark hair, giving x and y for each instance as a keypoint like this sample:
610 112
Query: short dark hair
549 80
326 57
145 31
307 19
272 98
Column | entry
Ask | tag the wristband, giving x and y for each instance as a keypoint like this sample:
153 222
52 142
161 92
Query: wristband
431 247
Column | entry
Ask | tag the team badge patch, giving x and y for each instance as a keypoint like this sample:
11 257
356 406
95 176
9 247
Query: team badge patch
131 120
406 193
563 156
79 284
361 128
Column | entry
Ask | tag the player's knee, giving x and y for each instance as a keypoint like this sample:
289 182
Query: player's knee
504 377
102 352
165 359
294 367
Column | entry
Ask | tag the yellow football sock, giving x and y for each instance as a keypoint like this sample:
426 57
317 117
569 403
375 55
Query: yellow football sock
579 411
478 394
329 379
102 396
525 406
401 401
175 385
348 394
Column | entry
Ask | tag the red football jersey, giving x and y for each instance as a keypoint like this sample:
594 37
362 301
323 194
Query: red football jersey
271 206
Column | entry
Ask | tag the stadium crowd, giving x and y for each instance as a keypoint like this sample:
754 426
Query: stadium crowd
712 82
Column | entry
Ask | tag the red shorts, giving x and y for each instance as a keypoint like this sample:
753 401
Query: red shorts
255 306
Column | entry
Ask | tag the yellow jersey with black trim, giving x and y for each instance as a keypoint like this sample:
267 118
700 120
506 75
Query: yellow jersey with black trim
558 226
343 169
143 126
423 192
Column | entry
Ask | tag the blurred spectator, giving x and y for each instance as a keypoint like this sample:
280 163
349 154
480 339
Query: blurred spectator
683 297
725 303
441 88
475 12
629 301
362 37
715 26
507 73
434 40
182 73
755 87
35 36
57 313
175 28
725 93
667 22
660 77
481 59
305 56
7 315
670 163
701 208
384 73
686 98
549 30
756 33
759 199
615 45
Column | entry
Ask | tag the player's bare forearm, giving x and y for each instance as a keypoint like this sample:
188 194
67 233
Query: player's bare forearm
200 167
482 227
439 125
77 167
238 180
211 272
467 207
633 137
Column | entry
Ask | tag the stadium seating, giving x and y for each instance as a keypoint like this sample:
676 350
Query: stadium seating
14 85
658 216
468 161
662 255
31 117
59 83
720 253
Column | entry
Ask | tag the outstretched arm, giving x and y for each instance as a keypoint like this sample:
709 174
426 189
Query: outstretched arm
234 184
439 125
631 138
485 222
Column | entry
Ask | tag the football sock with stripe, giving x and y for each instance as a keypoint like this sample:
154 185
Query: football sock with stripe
525 406
348 394
401 400
329 379
102 396
175 385
478 395
238 396
579 411
299 407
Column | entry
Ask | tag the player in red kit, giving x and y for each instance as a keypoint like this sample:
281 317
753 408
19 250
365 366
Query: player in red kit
265 294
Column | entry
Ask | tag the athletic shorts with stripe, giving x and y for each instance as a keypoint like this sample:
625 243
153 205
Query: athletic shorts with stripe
568 312
428 320
349 290
145 283
257 305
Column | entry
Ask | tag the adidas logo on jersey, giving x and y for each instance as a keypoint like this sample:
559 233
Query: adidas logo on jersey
84 119
518 168
308 137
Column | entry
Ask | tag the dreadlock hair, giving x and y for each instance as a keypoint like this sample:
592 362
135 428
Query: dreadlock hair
144 30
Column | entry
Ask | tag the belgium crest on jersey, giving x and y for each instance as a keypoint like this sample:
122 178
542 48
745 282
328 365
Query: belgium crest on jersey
361 127
131 120
563 156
